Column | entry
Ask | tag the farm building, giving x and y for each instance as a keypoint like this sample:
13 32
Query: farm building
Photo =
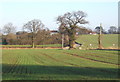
53 32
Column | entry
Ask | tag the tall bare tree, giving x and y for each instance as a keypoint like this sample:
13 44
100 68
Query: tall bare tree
70 21
63 32
33 27
100 38
9 28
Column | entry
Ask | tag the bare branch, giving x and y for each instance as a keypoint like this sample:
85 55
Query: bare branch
9 28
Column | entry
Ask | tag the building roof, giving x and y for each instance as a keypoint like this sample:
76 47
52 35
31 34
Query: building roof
55 31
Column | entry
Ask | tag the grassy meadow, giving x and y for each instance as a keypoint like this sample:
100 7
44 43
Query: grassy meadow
108 41
57 64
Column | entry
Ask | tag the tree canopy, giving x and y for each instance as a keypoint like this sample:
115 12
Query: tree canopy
69 24
33 27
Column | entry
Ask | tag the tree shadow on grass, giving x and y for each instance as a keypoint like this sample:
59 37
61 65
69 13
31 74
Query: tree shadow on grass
40 72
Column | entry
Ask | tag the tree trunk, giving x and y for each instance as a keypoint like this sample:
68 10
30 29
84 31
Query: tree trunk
62 41
72 39
99 38
33 40
71 43
99 42
33 45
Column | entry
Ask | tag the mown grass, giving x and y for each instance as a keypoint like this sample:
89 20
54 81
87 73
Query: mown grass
57 64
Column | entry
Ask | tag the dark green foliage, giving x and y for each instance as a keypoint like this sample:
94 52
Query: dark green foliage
4 42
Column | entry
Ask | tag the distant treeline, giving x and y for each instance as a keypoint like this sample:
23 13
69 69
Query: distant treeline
24 38
43 36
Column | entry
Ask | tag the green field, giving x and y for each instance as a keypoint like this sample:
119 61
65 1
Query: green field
108 41
57 64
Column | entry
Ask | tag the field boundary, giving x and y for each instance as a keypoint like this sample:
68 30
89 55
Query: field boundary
61 48
35 48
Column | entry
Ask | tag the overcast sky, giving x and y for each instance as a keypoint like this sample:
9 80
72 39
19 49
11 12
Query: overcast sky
20 12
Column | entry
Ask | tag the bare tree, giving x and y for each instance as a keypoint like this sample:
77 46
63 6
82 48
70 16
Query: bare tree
33 27
99 37
63 32
9 28
70 21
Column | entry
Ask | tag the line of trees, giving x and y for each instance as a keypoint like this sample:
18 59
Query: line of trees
35 33
111 30
25 38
